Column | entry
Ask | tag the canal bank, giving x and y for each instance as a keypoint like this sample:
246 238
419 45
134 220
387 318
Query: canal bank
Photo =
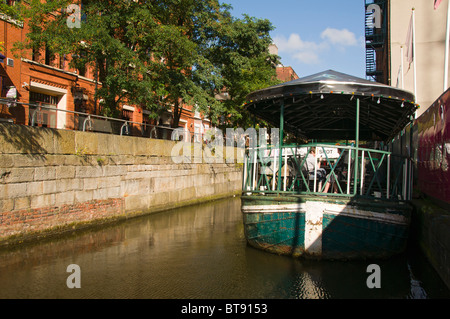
430 231
53 181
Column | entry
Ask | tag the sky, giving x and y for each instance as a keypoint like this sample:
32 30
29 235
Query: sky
313 36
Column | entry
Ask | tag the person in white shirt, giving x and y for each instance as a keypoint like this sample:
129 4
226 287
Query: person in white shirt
321 174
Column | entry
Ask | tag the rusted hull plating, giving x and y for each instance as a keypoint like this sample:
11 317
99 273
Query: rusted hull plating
326 227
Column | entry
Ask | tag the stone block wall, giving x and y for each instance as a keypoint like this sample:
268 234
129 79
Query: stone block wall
58 180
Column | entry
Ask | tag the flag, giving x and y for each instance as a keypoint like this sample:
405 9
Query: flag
437 3
410 44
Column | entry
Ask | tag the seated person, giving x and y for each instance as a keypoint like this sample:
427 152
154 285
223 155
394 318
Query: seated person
338 172
332 181
310 163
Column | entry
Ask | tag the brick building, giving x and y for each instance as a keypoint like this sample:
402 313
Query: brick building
284 73
36 78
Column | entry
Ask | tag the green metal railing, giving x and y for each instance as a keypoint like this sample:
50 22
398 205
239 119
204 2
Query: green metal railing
350 171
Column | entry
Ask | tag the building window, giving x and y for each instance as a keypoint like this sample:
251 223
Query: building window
36 55
48 100
62 61
82 70
11 15
146 124
44 117
127 115
146 119
80 62
49 56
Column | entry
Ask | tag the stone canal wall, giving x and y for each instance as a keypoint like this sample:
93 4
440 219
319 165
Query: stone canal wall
53 181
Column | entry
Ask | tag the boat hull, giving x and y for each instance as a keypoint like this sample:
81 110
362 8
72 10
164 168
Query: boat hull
326 227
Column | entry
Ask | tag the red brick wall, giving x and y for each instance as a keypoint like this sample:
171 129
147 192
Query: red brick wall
11 75
24 72
40 219
286 74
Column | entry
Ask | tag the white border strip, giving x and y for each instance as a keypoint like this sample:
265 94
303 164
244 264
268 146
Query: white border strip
47 88
333 209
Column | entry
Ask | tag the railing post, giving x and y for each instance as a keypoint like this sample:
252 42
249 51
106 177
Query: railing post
405 178
125 125
88 119
255 160
280 143
244 181
315 171
388 191
285 170
349 160
410 179
274 170
33 117
361 185
357 148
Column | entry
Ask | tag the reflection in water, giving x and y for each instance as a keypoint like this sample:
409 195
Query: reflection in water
196 252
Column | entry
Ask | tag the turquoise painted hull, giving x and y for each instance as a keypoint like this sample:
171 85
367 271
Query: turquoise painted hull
326 227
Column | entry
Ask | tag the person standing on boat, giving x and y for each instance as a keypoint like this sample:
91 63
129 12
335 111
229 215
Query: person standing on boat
321 173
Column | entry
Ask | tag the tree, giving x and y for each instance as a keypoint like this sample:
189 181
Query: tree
159 54
187 74
246 63
109 40
10 10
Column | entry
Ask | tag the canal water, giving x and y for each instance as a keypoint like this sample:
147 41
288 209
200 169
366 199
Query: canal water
198 252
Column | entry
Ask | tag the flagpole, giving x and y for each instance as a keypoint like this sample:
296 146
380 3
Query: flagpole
446 49
414 53
401 67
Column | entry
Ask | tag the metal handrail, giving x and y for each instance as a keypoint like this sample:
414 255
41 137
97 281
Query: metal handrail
4 101
90 125
126 128
88 122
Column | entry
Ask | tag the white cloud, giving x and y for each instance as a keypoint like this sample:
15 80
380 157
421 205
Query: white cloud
340 37
308 57
304 51
309 52
294 43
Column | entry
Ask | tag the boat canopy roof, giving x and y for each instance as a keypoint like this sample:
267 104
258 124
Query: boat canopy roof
323 106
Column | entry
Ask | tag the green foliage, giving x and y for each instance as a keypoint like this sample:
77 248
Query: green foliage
247 64
11 11
160 54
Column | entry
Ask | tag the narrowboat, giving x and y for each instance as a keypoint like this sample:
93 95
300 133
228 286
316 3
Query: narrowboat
359 206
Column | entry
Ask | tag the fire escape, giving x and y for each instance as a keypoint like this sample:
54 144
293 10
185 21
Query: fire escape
376 43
